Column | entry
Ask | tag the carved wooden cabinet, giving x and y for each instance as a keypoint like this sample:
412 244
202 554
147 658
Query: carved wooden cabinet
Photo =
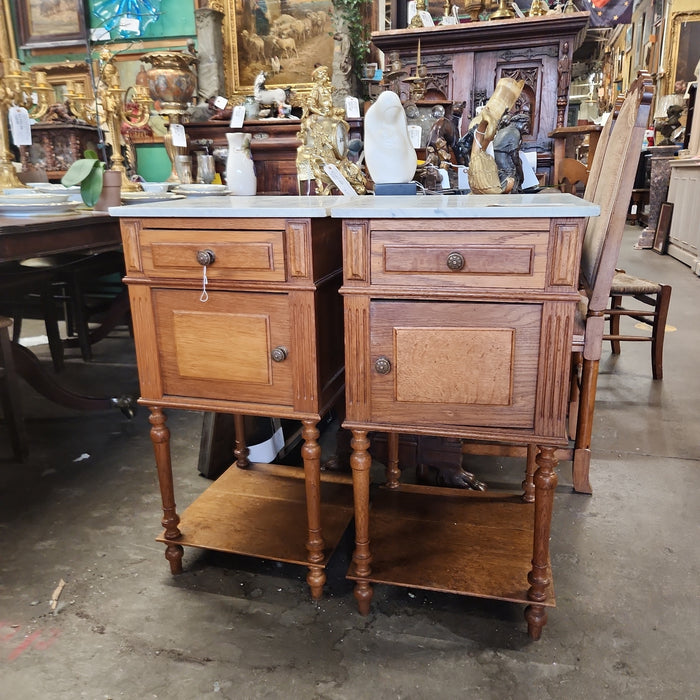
236 310
458 322
467 60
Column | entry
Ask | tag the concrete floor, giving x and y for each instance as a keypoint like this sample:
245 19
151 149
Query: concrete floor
85 508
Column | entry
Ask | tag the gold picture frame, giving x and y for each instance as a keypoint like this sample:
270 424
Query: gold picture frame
247 51
61 75
685 47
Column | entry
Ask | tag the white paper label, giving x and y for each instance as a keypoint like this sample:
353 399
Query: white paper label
463 178
426 18
352 107
237 117
339 180
177 133
20 127
220 102
99 34
414 133
130 24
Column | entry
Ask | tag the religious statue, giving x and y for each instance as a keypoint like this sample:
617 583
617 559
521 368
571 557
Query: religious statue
506 148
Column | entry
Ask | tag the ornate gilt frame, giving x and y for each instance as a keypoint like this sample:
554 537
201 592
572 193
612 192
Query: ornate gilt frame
677 19
231 71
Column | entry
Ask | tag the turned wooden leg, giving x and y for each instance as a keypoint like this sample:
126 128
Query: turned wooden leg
530 467
360 462
538 578
393 473
240 450
311 454
160 437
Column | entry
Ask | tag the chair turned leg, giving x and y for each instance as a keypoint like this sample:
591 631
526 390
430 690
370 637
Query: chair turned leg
615 303
584 427
663 300
9 394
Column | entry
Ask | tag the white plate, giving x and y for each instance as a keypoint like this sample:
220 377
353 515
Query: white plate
200 188
37 209
201 193
148 197
31 197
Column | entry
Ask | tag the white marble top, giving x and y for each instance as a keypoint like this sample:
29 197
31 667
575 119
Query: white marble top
220 207
395 207
465 206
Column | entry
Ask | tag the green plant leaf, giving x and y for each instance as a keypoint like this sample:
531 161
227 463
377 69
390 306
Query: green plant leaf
91 186
78 171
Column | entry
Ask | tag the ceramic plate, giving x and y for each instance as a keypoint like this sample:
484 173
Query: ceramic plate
148 197
31 197
37 208
200 189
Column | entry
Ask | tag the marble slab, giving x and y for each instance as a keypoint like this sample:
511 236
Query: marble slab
466 206
259 206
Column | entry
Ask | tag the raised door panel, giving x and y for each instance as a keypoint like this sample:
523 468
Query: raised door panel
454 363
222 349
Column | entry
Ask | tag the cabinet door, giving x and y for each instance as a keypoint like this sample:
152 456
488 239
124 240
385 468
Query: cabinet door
224 348
454 363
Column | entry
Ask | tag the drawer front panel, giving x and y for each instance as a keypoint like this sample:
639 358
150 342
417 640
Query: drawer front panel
454 363
238 255
222 349
483 259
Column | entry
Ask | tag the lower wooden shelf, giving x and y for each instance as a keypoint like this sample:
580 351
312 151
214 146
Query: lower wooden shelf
261 512
453 541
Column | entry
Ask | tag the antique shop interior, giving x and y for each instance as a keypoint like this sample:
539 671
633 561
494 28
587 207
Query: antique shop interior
346 349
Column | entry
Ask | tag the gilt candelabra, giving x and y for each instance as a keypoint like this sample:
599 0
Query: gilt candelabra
18 89
109 106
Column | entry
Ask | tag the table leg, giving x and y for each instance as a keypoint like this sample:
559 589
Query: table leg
360 462
393 473
240 449
160 437
311 454
545 483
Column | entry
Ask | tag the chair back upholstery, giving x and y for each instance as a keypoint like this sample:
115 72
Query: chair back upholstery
610 186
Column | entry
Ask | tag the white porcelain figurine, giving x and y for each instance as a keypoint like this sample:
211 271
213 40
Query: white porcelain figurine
389 154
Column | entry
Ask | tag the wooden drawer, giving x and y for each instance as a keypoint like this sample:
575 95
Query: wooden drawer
240 255
224 349
461 257
454 363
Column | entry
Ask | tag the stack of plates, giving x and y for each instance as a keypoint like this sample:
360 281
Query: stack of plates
29 202
55 187
148 197
199 190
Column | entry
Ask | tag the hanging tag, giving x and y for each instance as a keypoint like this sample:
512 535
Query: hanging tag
130 25
237 117
339 180
204 296
177 133
414 134
352 107
220 102
462 178
20 126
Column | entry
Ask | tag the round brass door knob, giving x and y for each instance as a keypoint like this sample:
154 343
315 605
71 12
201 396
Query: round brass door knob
382 365
455 261
279 354
205 257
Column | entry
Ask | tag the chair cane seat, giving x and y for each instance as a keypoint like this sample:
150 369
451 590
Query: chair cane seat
624 283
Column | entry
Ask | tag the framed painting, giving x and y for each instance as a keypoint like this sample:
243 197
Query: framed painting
685 49
61 75
663 228
285 38
50 23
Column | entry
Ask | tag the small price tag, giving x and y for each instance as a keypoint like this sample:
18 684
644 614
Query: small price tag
352 107
220 102
237 117
177 133
414 133
426 18
20 126
130 25
463 178
99 34
339 180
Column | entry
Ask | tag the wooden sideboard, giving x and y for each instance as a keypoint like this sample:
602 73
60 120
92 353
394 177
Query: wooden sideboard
236 310
467 60
684 194
273 146
459 322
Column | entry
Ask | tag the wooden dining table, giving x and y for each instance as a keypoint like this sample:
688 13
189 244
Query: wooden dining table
41 236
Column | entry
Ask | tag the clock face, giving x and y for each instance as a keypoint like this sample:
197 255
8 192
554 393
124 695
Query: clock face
341 139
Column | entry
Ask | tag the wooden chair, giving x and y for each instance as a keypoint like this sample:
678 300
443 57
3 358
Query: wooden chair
610 182
652 294
573 176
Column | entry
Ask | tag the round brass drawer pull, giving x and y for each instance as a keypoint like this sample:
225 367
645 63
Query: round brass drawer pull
455 261
279 354
205 257
382 365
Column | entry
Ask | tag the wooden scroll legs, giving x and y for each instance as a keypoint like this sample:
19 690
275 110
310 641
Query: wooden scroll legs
311 453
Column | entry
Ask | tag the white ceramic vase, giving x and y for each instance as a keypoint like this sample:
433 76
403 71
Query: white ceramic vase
240 172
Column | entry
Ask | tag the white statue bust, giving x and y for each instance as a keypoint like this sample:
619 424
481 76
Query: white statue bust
389 155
